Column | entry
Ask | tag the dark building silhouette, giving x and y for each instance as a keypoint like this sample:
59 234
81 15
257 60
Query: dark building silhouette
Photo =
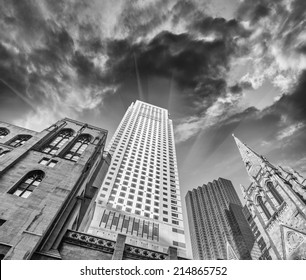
218 228
256 233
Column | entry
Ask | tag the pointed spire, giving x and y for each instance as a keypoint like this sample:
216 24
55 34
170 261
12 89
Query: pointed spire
248 155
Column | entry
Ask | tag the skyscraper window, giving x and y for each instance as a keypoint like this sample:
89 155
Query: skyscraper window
148 143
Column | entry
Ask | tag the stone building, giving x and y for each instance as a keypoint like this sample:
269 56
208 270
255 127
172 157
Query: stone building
276 199
49 182
218 228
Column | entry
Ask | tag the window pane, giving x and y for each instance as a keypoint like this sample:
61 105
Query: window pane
26 194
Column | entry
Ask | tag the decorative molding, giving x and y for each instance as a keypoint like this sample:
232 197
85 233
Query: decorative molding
140 253
277 216
89 241
294 240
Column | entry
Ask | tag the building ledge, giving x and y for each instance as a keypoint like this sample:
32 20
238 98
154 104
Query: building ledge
142 254
89 241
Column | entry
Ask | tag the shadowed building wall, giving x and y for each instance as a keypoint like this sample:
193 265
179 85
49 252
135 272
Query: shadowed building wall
49 181
216 221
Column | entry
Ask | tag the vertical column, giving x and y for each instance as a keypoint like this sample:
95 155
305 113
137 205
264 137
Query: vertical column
172 253
119 247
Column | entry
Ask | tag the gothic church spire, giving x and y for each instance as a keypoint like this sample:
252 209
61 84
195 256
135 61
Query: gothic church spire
249 157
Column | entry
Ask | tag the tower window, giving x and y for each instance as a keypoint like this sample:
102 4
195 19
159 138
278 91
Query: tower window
2 153
263 207
19 140
59 141
79 147
44 161
3 132
52 163
28 184
275 193
48 162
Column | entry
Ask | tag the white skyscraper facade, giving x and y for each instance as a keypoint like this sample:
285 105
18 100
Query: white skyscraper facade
140 196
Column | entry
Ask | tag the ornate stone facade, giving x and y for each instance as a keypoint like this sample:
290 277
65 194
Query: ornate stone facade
276 199
49 181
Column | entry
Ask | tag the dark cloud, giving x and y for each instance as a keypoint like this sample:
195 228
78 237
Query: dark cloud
293 105
302 49
186 10
220 26
288 17
255 126
88 73
12 68
259 12
46 59
28 17
239 87
254 10
138 20
195 65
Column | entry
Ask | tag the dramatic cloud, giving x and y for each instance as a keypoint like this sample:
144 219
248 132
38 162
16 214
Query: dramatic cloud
268 39
43 65
217 71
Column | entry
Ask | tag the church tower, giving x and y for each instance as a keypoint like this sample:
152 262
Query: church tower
276 198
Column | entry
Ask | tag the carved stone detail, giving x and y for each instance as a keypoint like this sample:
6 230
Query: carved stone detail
141 253
90 241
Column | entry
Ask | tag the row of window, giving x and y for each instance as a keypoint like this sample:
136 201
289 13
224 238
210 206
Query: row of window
17 141
61 139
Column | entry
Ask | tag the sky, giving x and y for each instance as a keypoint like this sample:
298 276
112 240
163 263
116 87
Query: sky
219 67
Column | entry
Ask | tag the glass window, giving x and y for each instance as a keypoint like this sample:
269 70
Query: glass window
44 161
3 132
28 184
52 163
19 140
79 147
59 141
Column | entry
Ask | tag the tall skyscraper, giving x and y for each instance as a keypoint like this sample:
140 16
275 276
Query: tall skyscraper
217 224
140 197
276 199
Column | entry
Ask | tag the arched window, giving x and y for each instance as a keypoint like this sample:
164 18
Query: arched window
2 153
61 139
263 207
275 193
3 132
28 184
19 140
79 147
